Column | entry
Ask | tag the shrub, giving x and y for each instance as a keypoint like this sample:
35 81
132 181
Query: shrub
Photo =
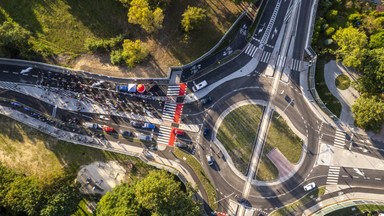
117 57
329 31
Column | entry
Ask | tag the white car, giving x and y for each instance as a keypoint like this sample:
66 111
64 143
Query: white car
309 186
102 117
210 160
199 86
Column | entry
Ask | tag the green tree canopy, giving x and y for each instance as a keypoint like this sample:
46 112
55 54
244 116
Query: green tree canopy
377 40
192 16
140 13
134 52
369 112
373 79
352 46
14 39
157 194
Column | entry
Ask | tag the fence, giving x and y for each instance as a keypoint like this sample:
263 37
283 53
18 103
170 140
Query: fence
312 53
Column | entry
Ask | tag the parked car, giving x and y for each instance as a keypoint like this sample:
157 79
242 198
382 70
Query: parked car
125 133
199 86
181 145
210 160
136 124
102 117
309 186
205 100
179 132
149 125
206 132
108 129
144 137
92 125
16 104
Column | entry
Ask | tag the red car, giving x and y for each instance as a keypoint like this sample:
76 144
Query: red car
108 129
179 132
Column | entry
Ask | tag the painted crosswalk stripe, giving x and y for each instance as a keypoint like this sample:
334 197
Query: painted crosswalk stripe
333 175
339 140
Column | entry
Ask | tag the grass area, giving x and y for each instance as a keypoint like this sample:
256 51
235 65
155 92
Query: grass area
326 96
282 137
290 209
195 165
82 210
62 26
237 133
342 82
32 152
360 210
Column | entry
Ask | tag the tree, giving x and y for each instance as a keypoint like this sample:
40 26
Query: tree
158 194
376 40
369 112
352 46
331 15
371 24
329 31
14 39
192 17
373 79
120 202
140 13
24 196
134 52
63 202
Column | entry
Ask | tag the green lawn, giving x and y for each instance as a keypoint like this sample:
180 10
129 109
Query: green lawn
195 165
237 133
291 208
360 209
35 153
62 26
342 82
283 138
326 96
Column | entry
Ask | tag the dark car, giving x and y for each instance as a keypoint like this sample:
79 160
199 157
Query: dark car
125 133
206 133
205 100
137 124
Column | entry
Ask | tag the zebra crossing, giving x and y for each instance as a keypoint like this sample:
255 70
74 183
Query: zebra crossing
8 85
339 138
250 50
333 175
265 56
164 135
169 111
173 90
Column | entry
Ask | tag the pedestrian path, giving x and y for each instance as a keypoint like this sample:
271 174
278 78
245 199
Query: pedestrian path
164 135
333 175
339 138
169 111
289 13
251 50
173 90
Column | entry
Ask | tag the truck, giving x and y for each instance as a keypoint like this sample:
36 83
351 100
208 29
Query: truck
92 125
122 88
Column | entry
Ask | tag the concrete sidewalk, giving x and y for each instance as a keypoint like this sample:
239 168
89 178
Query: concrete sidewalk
347 97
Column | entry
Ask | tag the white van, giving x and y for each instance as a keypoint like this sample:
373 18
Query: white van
210 160
199 86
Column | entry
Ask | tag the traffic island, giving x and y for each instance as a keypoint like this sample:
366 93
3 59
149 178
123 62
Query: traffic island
237 133
282 143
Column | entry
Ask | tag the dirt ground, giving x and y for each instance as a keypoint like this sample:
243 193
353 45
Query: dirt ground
105 175
166 47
